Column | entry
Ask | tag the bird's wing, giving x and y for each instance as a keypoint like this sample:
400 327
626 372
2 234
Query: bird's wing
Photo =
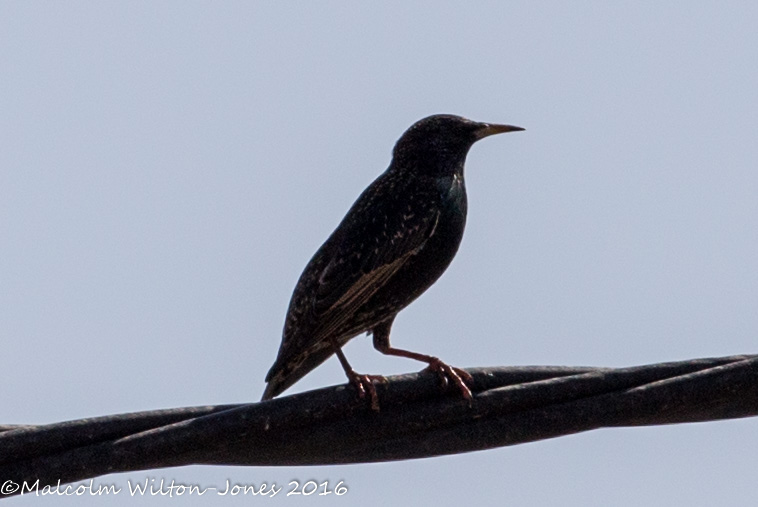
375 239
366 259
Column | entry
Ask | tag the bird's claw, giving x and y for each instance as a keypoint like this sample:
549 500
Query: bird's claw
364 384
447 373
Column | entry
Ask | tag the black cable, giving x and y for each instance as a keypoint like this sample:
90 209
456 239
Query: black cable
417 419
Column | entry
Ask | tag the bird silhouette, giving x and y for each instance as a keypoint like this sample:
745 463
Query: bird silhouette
393 244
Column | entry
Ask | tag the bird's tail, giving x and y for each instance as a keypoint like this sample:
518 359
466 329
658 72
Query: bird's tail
286 372
273 388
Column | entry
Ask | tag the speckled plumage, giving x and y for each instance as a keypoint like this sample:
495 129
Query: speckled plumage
395 242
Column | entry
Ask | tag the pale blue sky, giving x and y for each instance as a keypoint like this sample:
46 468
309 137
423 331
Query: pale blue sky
167 169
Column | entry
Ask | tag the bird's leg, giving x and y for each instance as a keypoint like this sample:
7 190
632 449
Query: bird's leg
362 383
446 372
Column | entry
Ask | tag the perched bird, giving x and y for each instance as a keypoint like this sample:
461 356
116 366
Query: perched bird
393 244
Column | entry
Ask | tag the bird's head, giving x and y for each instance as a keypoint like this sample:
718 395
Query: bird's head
438 144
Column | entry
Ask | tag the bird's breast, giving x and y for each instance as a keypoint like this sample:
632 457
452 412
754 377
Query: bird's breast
443 244
453 196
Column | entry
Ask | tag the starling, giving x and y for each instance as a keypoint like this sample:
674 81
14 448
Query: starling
393 244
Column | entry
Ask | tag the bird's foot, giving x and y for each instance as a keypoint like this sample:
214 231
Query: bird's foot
364 384
449 373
